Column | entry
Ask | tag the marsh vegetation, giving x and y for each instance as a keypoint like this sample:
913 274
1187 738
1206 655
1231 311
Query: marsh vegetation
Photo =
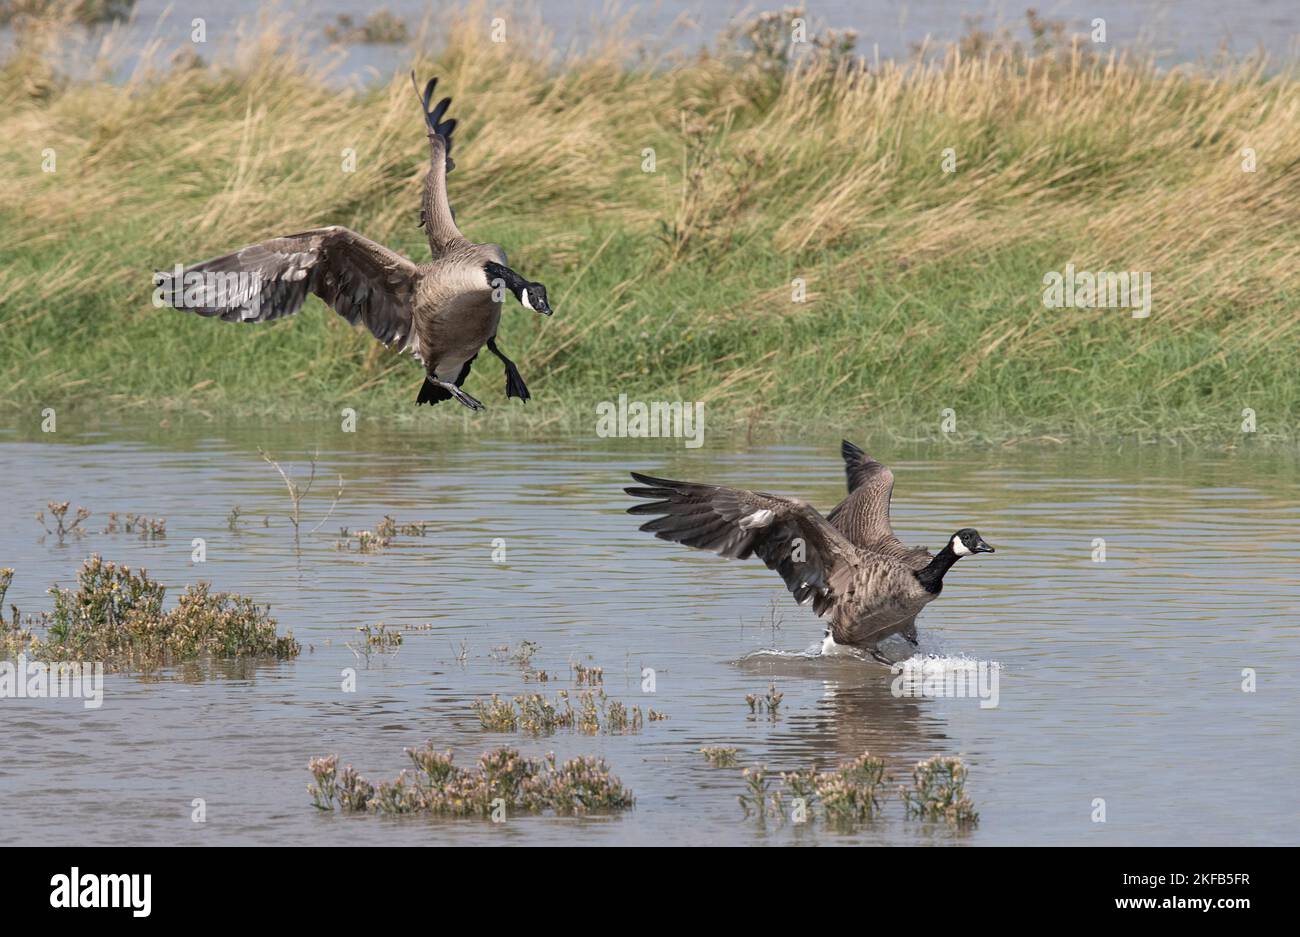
853 792
503 782
116 616
770 233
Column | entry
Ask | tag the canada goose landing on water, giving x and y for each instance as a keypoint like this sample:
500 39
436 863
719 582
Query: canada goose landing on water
442 312
849 565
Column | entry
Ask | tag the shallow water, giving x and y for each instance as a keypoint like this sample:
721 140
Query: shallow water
1173 31
1118 680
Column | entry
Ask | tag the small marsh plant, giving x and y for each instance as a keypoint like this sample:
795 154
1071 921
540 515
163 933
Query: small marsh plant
522 657
435 785
14 638
382 537
298 492
847 794
758 800
375 639
537 715
115 615
719 756
62 526
769 703
938 791
146 528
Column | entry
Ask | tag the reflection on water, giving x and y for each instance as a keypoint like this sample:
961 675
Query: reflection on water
1118 680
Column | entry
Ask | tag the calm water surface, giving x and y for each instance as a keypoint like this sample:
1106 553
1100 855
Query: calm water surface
1119 680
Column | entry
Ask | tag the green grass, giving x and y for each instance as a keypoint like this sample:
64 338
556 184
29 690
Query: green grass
923 288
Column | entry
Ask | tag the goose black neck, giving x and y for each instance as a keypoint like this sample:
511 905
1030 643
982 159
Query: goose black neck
931 578
511 280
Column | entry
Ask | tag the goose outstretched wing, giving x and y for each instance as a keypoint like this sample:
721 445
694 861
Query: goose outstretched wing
816 563
863 517
364 282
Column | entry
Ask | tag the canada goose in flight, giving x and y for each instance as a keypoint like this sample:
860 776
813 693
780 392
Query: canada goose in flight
442 312
850 566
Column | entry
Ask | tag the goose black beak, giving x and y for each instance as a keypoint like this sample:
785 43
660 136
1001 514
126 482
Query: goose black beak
984 547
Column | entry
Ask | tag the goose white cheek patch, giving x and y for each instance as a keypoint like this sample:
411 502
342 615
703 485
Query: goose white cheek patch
757 519
523 298
959 548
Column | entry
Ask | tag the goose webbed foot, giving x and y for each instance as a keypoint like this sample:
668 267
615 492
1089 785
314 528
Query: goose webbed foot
463 398
515 386
434 390
880 656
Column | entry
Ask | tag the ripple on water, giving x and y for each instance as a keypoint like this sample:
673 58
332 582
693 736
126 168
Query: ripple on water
1119 678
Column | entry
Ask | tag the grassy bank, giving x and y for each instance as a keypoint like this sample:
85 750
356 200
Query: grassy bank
923 287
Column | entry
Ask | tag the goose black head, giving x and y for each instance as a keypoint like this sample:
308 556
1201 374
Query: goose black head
963 543
533 296
530 295
967 541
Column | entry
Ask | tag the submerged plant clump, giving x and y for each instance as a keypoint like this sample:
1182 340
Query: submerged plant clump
375 639
373 541
535 714
719 756
502 779
58 524
147 528
852 792
938 791
116 616
522 657
769 703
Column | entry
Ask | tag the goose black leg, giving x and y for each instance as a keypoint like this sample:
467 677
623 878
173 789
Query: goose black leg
515 386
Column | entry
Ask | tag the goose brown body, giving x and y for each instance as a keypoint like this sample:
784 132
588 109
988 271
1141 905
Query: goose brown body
457 311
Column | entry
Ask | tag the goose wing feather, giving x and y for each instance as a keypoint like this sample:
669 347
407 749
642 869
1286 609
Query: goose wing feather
863 517
364 282
815 561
